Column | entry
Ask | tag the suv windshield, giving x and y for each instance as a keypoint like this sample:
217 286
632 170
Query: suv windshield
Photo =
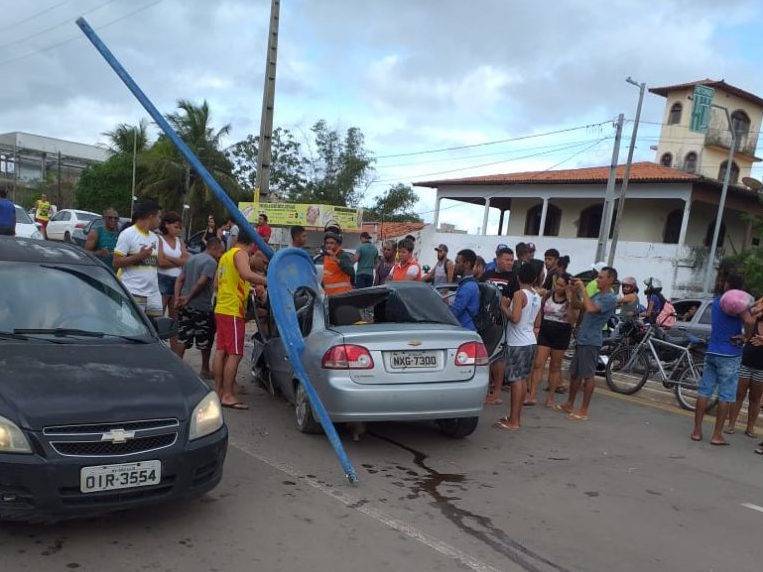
66 297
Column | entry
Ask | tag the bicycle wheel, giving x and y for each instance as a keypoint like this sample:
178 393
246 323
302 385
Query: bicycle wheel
686 390
623 377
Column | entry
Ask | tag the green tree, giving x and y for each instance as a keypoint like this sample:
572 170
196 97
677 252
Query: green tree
749 262
108 184
396 204
340 169
287 163
171 180
125 138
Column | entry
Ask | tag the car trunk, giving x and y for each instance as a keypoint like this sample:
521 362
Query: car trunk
409 353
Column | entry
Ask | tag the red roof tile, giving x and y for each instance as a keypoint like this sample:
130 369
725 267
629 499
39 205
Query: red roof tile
642 172
391 229
716 84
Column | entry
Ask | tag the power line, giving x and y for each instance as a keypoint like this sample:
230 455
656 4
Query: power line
572 146
80 36
55 26
33 16
496 142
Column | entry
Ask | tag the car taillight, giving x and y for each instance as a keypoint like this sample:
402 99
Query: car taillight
347 356
79 225
472 353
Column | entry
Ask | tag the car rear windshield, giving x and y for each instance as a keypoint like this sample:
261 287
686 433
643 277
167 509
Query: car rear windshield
414 304
87 217
37 296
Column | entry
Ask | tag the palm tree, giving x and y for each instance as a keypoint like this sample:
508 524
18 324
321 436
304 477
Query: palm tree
123 141
171 178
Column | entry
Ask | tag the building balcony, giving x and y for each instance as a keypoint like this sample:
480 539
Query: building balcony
745 146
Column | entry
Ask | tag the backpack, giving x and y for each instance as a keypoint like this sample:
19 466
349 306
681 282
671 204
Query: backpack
667 316
489 318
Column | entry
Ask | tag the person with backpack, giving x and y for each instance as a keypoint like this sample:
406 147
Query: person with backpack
523 315
466 303
655 300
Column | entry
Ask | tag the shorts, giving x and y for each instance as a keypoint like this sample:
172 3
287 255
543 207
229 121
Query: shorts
167 284
554 335
583 364
196 326
230 334
43 223
753 374
151 305
519 362
720 373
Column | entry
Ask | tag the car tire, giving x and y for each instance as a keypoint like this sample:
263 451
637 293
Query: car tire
303 412
67 236
459 427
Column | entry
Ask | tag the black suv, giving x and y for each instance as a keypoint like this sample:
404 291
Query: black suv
96 413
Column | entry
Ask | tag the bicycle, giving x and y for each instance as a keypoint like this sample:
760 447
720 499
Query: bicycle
629 367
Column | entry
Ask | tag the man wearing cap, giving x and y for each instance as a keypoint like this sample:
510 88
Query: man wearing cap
443 270
365 256
338 265
490 266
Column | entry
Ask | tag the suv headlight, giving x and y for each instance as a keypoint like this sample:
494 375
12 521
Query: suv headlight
12 439
207 417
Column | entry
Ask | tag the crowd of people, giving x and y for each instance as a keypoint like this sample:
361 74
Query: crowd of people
545 309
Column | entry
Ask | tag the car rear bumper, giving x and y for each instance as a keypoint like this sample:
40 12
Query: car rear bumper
347 401
35 488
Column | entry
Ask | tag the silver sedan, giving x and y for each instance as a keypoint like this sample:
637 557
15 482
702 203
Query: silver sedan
387 353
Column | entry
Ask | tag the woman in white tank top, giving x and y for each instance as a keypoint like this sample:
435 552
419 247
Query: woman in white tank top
172 257
523 315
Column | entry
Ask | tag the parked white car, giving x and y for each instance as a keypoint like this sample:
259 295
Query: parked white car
63 223
25 226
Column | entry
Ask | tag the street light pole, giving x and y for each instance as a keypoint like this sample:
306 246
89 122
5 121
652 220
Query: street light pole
264 156
134 160
609 195
627 173
721 203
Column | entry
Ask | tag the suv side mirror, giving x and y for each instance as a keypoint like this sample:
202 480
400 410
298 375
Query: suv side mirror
166 328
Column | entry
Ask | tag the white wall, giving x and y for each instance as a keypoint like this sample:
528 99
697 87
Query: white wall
679 268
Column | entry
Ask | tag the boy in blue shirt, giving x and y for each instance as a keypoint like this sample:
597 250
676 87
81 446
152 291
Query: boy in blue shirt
466 303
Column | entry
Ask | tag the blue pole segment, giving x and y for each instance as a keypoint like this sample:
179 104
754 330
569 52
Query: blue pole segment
289 269
174 137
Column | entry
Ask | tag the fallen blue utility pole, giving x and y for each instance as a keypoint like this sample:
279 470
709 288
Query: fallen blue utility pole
288 271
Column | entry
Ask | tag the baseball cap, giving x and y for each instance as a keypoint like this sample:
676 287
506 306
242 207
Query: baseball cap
502 246
629 280
443 247
598 266
531 246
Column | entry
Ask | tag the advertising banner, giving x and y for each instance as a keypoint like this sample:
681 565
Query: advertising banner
307 215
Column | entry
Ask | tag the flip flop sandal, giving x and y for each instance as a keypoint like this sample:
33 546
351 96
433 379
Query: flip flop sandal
750 434
696 439
240 406
759 451
730 431
500 424
723 444
576 417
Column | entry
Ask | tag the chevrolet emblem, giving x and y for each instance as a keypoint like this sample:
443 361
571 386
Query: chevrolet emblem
414 343
118 436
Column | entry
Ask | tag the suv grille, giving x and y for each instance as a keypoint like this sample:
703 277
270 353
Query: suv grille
113 439
105 448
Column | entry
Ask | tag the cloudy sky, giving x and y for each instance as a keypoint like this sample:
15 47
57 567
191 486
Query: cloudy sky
414 75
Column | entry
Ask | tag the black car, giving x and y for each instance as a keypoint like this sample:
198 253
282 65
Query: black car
96 413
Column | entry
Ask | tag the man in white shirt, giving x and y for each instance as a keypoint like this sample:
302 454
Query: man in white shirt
136 258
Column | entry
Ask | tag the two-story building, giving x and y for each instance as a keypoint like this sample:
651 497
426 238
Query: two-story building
671 205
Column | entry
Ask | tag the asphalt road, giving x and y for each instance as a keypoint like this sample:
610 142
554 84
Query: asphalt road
626 490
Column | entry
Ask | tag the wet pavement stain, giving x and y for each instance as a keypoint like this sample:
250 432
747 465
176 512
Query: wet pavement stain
480 527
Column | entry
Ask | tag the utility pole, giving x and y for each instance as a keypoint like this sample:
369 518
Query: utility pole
609 194
262 184
134 161
15 168
721 204
58 179
626 174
